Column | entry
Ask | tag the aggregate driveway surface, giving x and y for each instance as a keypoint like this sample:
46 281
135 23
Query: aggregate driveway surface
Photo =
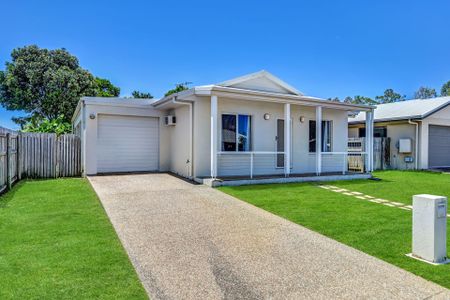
193 242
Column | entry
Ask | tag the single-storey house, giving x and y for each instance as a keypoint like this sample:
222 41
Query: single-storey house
231 130
418 130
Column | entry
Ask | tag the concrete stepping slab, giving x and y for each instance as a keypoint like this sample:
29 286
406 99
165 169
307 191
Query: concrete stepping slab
381 200
374 201
324 187
357 193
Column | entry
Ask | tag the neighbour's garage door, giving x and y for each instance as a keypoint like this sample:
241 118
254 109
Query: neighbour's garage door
127 144
439 146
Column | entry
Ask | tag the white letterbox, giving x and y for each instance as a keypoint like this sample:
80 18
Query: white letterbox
430 228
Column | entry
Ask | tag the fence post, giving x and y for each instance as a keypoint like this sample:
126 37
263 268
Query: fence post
57 156
8 162
18 154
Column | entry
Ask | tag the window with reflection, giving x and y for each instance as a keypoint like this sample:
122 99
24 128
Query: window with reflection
326 136
236 132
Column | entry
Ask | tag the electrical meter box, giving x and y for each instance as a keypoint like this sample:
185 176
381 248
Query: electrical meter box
404 145
430 228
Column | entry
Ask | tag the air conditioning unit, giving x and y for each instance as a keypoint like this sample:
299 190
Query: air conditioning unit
170 120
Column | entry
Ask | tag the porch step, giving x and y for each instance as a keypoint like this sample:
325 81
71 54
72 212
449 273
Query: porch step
236 182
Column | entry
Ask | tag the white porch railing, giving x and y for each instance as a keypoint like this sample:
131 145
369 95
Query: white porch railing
259 163
344 161
250 163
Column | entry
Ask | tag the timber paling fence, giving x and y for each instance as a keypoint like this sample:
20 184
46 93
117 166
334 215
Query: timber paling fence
37 155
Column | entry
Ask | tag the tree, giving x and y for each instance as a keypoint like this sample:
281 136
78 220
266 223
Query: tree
445 90
141 95
390 96
348 99
46 84
335 99
104 88
178 88
360 100
425 93
58 125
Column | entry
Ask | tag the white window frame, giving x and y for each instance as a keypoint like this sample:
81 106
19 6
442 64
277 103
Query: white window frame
237 129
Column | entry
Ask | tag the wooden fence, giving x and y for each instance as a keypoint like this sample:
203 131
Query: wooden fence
381 154
37 155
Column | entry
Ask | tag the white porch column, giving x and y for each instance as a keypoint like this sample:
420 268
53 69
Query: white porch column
214 136
287 139
318 140
369 141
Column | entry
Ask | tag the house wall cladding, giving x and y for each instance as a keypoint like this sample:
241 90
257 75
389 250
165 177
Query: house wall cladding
38 155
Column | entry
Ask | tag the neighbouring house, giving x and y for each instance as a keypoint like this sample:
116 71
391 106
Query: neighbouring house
214 133
417 133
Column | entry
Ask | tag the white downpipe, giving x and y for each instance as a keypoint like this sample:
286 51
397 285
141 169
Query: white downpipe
318 140
416 149
191 134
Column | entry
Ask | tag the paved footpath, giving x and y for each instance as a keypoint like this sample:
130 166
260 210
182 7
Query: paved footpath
195 242
362 196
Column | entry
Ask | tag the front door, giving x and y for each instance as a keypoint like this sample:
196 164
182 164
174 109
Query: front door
280 143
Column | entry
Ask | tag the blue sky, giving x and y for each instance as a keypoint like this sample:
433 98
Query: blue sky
324 48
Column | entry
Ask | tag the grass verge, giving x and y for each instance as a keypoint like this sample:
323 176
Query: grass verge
57 243
381 231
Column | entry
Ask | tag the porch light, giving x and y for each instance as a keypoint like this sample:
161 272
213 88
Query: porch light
92 116
302 119
266 116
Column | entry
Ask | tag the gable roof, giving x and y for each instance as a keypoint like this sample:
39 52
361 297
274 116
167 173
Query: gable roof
410 109
259 86
261 81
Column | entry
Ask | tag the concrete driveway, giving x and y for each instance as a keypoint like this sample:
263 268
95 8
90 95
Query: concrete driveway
193 242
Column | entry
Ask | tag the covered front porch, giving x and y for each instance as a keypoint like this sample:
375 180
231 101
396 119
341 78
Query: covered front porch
250 143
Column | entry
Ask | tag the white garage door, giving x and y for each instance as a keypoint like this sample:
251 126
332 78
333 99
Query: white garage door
438 146
127 144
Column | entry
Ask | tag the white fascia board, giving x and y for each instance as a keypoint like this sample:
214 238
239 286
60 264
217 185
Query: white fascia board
387 120
77 110
168 99
435 110
281 98
129 102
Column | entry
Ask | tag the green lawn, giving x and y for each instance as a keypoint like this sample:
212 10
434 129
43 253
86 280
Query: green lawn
56 242
381 231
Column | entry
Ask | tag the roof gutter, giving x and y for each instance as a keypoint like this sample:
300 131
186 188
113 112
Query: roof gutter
169 98
277 98
387 120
